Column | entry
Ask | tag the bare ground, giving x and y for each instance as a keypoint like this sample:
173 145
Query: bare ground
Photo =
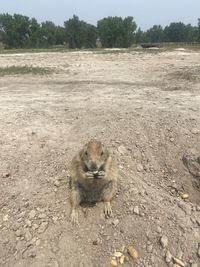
145 106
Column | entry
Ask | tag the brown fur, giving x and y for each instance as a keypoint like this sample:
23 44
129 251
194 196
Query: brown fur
93 177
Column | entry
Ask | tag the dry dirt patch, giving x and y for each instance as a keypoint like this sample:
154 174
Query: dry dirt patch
127 101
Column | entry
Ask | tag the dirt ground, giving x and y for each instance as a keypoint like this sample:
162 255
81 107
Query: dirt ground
145 106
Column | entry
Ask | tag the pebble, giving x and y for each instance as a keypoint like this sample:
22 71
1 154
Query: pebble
136 210
5 241
140 167
164 241
15 226
28 235
168 256
57 183
18 233
32 214
194 131
159 229
5 218
37 243
42 216
185 196
122 150
115 222
35 226
28 223
42 227
149 248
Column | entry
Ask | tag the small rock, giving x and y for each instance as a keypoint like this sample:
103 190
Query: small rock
28 235
42 216
185 196
115 222
194 131
57 183
37 243
122 150
18 233
136 210
35 226
5 241
32 214
15 226
42 227
5 218
168 256
28 223
140 167
159 229
133 252
164 241
149 248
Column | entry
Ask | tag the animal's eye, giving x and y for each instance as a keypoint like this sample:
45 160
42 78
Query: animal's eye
102 153
86 153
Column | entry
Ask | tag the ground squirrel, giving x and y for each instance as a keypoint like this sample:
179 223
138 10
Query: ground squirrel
93 175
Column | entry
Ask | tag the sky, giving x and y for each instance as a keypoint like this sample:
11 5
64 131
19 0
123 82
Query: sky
146 13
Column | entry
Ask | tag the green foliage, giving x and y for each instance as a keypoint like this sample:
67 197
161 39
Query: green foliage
18 31
198 29
80 34
15 70
155 34
116 32
179 32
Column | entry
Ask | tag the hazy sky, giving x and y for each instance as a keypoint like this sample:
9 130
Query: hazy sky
145 12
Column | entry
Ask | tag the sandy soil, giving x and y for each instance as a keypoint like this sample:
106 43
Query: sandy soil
145 106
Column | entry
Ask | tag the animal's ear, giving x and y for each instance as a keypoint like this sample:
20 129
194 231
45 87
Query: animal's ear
105 151
82 153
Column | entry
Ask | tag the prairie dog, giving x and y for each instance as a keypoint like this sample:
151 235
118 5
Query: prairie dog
93 177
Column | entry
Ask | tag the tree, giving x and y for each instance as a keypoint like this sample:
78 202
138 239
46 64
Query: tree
79 33
199 29
35 36
155 34
116 32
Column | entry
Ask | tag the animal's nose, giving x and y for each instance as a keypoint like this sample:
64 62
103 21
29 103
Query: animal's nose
94 166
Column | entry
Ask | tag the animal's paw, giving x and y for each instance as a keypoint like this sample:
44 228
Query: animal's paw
74 217
90 175
107 210
101 174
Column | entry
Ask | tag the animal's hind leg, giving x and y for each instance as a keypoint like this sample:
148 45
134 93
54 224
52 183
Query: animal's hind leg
107 195
75 201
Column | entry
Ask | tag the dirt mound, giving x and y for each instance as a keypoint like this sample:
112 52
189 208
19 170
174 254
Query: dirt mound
127 101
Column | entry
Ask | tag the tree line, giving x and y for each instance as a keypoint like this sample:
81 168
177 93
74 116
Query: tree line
18 31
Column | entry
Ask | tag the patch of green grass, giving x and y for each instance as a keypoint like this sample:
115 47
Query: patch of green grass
20 70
